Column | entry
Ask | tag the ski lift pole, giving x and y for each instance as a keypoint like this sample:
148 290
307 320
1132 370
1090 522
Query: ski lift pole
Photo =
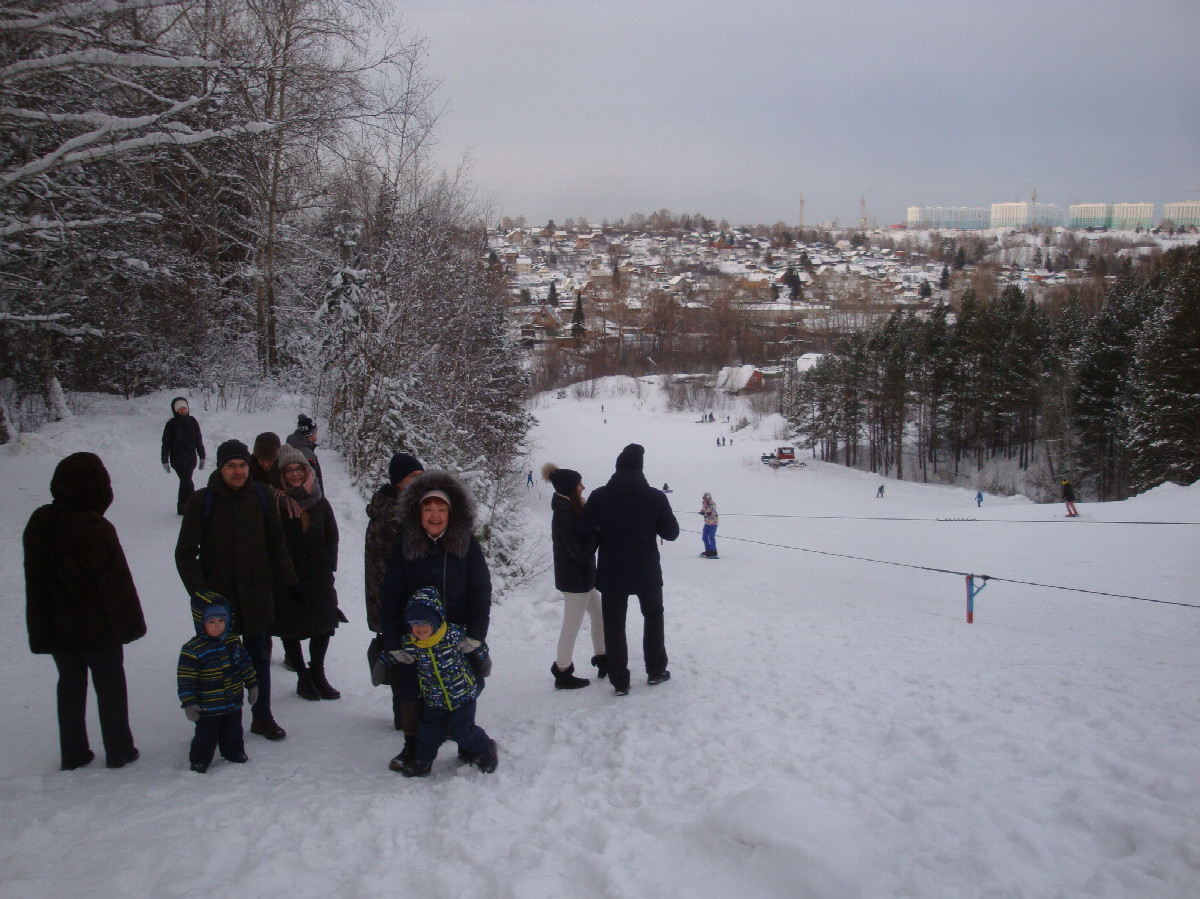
972 591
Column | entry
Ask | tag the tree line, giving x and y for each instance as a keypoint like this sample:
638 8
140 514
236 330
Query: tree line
1110 397
238 194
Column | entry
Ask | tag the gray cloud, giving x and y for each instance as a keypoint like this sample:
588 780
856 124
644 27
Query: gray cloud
735 110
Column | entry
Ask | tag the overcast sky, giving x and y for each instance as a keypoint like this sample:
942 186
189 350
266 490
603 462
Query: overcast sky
602 109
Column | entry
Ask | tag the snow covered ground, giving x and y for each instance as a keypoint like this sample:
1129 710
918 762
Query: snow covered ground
833 728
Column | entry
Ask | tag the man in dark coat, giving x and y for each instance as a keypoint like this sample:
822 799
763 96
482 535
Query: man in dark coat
181 446
625 517
82 607
231 543
383 530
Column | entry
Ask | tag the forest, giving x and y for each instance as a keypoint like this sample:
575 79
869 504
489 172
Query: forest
1111 395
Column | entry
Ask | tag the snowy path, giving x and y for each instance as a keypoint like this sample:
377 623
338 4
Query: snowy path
833 728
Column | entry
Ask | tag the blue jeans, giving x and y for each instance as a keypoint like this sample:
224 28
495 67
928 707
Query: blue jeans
709 536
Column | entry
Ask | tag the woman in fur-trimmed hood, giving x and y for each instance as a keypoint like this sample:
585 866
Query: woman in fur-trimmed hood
436 547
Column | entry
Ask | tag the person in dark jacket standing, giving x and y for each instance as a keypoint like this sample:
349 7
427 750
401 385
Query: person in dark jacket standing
82 607
624 517
383 529
231 543
310 530
1068 496
304 438
182 445
574 575
262 460
436 547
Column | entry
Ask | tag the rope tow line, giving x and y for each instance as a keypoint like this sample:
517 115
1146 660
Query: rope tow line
972 590
975 520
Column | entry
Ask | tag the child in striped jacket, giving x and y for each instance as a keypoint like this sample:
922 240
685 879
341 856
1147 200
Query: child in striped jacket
213 668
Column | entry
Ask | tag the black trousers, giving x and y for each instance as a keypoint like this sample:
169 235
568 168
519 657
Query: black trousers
112 701
654 651
259 647
186 487
212 731
459 725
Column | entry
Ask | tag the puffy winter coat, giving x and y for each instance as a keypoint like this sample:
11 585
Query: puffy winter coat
79 592
627 516
181 440
239 552
213 670
383 529
574 557
313 546
708 509
445 676
453 563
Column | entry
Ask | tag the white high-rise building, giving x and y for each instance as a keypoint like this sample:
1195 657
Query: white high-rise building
1025 215
1182 215
958 218
1090 215
1128 216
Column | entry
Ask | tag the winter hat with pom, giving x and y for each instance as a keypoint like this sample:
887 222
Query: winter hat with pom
564 479
305 426
401 466
631 458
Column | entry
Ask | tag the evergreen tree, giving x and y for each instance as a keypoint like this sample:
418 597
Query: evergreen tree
578 323
944 280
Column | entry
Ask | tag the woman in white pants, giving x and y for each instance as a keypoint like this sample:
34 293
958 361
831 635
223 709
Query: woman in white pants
575 576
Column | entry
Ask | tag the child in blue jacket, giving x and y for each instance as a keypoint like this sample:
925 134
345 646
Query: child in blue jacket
448 686
213 668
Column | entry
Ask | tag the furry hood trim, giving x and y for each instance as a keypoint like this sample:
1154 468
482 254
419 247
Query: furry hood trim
414 542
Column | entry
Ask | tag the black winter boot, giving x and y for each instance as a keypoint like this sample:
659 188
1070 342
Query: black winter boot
566 679
324 688
408 754
305 688
601 663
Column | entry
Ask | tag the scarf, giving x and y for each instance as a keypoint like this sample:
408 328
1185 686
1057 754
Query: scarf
434 639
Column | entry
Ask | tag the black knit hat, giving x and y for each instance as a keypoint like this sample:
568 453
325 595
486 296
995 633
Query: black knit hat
232 449
565 481
305 426
401 466
631 457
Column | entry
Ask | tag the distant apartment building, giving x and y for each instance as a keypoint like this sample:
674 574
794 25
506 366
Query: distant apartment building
1127 216
1182 215
958 218
1089 215
1025 215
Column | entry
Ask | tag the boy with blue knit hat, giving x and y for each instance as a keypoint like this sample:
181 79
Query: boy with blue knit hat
448 686
213 668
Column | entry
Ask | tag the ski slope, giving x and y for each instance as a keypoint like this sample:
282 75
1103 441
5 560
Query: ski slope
833 726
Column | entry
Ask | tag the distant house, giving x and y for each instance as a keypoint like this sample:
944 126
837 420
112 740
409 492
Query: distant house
738 379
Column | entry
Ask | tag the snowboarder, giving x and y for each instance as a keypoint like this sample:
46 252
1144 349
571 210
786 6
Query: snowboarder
213 668
575 576
81 607
625 515
1068 496
709 532
181 446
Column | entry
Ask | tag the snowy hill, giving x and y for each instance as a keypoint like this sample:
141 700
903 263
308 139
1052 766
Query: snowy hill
833 727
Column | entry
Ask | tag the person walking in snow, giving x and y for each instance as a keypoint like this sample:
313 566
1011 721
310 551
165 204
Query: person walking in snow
182 446
81 607
575 576
231 543
262 459
434 650
383 529
311 533
436 547
213 669
304 438
709 532
624 517
978 498
879 492
1068 497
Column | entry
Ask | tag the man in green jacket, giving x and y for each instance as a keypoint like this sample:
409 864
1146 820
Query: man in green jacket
231 543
